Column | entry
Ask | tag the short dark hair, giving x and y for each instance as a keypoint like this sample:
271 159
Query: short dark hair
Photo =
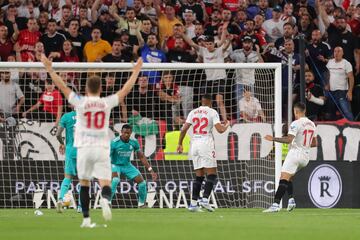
128 9
126 126
300 106
51 20
74 20
207 96
96 27
290 24
66 7
93 84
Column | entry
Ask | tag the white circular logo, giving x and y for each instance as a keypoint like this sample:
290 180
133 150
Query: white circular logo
325 186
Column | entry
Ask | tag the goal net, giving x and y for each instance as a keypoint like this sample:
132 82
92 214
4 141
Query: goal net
248 166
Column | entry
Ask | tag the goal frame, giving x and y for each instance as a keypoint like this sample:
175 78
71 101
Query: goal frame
277 127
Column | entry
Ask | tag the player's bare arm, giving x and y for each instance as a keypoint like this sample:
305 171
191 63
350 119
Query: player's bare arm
286 139
131 81
58 81
183 132
145 162
314 142
60 140
221 128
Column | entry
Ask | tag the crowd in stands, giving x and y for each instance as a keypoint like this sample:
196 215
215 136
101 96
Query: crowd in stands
208 31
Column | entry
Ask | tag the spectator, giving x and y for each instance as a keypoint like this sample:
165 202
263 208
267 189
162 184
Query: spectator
240 19
103 21
12 18
169 42
245 77
97 48
319 55
63 24
43 22
170 99
339 36
274 26
250 108
28 10
166 21
116 55
27 39
52 39
146 28
258 40
67 54
6 44
232 28
77 39
52 103
110 88
315 98
341 84
199 30
289 33
306 26
12 98
197 8
215 79
262 8
129 23
185 80
259 20
212 26
189 23
53 8
151 54
149 11
85 23
143 100
228 41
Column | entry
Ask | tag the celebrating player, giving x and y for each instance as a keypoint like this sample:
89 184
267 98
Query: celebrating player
91 135
67 123
203 119
121 149
301 136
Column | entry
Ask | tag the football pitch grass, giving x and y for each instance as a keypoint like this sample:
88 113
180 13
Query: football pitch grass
172 224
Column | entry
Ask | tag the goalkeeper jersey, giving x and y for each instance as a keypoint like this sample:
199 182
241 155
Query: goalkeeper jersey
67 121
120 151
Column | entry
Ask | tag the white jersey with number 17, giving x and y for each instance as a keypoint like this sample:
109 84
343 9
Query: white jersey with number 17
203 119
92 119
304 131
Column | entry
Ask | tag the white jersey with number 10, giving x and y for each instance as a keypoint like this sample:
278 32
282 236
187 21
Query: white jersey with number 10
304 131
203 119
92 119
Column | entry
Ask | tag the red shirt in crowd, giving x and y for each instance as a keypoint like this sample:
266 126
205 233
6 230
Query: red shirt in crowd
51 101
29 39
232 5
170 43
6 49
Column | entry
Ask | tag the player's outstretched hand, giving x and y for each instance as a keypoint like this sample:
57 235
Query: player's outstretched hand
179 149
269 138
62 149
154 176
138 65
47 63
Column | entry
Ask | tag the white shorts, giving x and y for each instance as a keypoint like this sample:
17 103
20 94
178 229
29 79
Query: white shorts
93 162
294 161
203 154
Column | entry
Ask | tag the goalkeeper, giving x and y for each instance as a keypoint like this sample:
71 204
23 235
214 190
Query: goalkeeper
121 149
67 122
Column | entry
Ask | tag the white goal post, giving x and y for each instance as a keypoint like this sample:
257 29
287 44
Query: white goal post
23 164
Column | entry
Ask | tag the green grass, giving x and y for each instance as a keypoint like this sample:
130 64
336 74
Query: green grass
172 224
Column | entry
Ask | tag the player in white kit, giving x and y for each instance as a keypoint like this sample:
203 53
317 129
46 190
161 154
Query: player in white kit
301 137
91 135
203 119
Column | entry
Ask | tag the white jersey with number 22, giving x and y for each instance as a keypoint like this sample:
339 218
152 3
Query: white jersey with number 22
92 119
304 131
203 119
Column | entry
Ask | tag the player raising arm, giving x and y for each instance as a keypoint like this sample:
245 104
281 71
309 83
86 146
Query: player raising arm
121 149
91 135
301 136
202 150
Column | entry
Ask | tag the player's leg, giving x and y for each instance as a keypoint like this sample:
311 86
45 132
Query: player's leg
115 180
85 168
290 190
102 171
142 190
197 183
64 188
211 179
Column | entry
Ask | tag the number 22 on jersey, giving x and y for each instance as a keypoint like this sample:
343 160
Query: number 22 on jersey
199 125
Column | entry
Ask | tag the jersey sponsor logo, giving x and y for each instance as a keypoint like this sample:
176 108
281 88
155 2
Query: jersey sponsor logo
325 186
